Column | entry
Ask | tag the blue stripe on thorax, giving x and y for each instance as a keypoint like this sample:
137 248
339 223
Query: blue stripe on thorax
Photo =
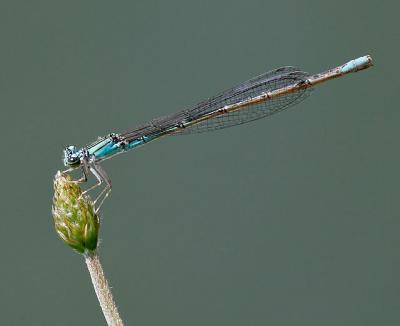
140 141
104 148
109 147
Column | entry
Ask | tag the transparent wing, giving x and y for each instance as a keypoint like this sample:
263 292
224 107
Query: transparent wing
266 82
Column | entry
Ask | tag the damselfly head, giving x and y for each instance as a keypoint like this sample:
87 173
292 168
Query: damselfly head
72 156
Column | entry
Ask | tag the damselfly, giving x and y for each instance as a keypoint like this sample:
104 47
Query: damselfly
254 99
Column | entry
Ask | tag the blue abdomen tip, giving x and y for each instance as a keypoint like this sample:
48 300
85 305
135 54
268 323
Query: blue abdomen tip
357 64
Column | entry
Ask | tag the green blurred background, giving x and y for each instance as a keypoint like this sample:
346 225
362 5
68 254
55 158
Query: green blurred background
286 221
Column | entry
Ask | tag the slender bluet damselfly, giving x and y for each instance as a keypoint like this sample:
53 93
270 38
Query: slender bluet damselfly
254 99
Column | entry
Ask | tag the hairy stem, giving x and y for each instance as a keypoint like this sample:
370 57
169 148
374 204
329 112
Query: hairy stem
102 289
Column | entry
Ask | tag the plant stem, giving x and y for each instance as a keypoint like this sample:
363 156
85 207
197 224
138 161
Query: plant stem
102 289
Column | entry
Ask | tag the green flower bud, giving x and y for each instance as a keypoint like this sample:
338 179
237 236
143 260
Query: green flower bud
74 215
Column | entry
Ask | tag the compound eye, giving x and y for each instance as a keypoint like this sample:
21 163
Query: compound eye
71 156
71 149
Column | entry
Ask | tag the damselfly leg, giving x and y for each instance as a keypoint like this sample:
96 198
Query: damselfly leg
101 177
